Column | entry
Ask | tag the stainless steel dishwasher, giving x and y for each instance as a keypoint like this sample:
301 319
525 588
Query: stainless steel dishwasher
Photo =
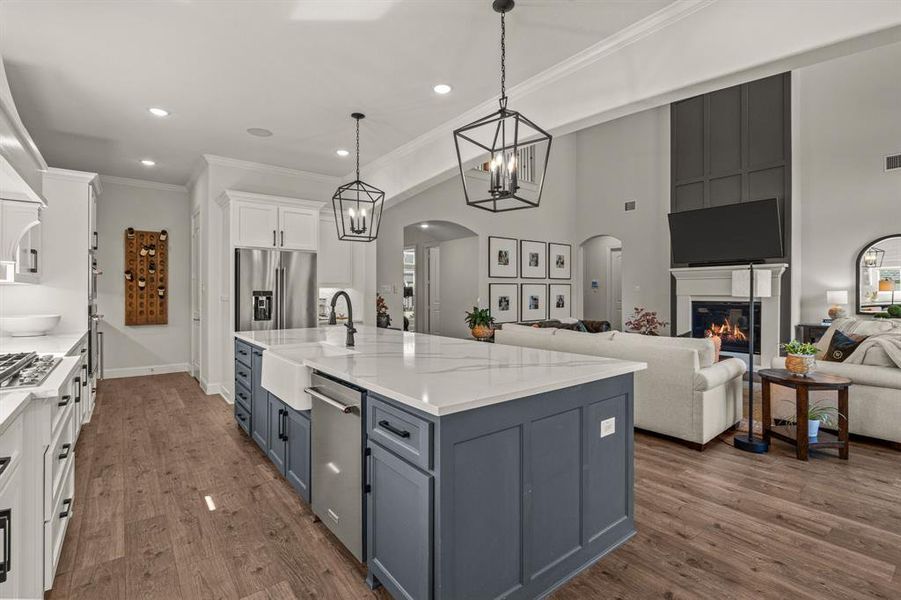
337 460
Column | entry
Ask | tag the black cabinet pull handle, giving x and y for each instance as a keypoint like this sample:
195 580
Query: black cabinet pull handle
242 352
83 350
96 241
283 237
78 397
64 400
281 433
68 504
401 433
6 519
34 259
67 450
242 374
273 238
241 417
285 425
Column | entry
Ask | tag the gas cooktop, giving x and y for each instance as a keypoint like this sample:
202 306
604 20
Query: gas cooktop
25 369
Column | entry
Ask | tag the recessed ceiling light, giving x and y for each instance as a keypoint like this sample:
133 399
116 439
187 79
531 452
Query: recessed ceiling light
442 88
259 132
424 225
342 152
148 163
158 112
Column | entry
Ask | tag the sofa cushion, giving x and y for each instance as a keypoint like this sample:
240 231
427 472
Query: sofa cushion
704 347
567 333
884 377
842 345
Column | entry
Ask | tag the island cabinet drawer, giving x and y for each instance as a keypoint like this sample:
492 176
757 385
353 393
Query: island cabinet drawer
242 417
403 433
243 395
243 352
243 374
56 524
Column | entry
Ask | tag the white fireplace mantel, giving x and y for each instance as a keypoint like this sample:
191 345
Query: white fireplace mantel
715 284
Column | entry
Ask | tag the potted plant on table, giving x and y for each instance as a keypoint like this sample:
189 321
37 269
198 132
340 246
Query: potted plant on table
480 323
801 357
817 414
645 322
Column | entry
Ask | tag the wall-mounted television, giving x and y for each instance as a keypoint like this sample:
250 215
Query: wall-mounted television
735 233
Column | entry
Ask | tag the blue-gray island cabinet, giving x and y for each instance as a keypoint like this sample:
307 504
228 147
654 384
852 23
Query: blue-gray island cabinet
509 500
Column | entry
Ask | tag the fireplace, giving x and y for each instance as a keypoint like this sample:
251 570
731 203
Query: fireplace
729 320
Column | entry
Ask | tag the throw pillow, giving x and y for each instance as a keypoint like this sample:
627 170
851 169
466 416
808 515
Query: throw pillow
596 326
842 345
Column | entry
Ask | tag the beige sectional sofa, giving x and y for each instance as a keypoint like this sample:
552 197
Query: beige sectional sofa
684 393
874 398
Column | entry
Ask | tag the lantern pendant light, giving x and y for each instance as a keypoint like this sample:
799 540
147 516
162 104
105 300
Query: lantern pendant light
358 205
503 157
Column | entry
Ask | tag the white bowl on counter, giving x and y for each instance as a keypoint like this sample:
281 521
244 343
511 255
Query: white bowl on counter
28 325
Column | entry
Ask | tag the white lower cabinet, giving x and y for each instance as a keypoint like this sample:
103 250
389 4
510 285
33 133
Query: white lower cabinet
57 522
13 514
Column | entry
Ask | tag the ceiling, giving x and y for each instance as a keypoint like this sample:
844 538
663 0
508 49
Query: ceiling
83 74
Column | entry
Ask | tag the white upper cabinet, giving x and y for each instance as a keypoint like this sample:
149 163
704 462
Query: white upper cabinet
256 225
298 228
335 263
264 221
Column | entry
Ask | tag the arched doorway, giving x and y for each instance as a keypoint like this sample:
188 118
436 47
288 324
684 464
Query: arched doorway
602 296
441 282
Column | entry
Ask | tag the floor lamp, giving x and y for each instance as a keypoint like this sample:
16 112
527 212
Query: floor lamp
751 284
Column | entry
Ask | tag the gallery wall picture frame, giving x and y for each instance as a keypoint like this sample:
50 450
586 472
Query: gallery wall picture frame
532 302
503 257
532 259
559 261
559 301
503 301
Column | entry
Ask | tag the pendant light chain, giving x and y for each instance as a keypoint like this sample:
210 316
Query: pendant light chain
358 149
503 59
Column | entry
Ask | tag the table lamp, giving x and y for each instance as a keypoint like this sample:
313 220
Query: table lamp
750 284
838 299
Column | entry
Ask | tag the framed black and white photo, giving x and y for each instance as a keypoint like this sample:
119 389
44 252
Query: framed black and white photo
532 259
504 302
502 257
559 259
533 301
559 300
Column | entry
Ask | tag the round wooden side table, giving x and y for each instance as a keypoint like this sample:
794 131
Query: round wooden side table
797 435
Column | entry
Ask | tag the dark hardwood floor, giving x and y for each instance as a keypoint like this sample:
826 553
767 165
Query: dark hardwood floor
718 524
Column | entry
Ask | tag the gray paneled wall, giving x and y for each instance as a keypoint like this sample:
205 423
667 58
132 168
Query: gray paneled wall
732 146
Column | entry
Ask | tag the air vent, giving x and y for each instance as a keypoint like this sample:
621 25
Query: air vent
893 162
630 205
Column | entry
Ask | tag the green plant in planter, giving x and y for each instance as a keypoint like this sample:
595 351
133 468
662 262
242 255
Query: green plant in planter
817 411
479 317
802 348
894 311
882 315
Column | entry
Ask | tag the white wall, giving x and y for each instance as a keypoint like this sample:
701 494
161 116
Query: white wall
459 289
849 122
620 161
552 221
138 350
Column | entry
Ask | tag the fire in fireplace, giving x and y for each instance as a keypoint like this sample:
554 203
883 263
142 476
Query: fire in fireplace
728 320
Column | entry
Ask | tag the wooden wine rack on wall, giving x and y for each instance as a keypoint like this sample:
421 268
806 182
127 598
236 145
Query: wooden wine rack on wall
146 305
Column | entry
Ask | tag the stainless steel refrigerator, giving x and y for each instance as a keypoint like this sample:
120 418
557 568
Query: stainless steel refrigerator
275 289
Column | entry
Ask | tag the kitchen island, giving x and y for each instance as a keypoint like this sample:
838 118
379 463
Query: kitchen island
488 470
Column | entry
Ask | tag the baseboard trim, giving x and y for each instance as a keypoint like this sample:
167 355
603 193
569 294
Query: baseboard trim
689 444
148 370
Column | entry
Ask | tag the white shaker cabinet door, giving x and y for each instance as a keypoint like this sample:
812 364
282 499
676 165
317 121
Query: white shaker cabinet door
299 228
335 261
256 225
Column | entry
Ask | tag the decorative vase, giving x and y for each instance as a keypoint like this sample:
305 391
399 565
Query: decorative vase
813 428
383 320
800 364
482 332
717 346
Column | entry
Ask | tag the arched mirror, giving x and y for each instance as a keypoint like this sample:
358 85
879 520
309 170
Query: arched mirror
879 275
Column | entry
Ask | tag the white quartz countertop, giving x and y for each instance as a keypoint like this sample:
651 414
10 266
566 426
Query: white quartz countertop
438 375
58 344
13 401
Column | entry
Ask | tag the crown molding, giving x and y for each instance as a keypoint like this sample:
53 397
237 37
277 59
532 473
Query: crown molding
143 183
231 195
639 30
247 165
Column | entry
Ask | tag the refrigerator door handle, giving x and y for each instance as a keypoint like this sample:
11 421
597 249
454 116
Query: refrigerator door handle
277 317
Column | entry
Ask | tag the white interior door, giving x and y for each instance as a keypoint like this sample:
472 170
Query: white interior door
434 290
195 295
615 301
